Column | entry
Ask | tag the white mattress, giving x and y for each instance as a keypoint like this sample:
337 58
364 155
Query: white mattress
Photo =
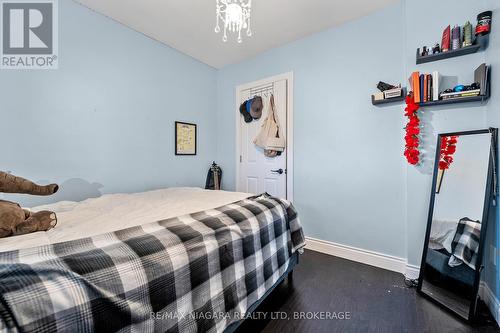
113 212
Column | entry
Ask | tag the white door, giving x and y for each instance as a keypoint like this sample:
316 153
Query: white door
258 173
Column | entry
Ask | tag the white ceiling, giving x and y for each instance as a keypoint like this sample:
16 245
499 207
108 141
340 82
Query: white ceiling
188 25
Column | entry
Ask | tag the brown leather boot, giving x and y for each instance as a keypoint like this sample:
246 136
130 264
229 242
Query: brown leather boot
39 221
13 184
11 214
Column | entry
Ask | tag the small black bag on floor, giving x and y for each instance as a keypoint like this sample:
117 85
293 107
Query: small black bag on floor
214 177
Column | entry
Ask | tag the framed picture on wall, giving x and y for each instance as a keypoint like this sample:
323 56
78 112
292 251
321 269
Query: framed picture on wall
185 138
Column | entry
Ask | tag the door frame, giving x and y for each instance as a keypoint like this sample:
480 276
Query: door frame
289 127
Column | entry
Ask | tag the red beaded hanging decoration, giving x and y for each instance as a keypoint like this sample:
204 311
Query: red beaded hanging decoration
412 131
448 148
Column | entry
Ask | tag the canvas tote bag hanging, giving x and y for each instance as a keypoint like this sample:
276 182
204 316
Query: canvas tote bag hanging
270 136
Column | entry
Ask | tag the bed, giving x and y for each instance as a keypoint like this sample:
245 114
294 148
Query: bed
172 260
453 247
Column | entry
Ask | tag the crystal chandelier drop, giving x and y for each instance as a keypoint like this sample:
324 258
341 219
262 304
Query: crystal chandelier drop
235 17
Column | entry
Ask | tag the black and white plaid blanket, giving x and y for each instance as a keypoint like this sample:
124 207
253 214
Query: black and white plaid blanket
465 244
195 273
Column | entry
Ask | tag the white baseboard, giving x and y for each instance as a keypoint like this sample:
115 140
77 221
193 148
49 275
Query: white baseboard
490 299
391 263
412 272
371 258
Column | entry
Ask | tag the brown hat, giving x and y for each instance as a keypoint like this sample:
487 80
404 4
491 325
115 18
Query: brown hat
256 107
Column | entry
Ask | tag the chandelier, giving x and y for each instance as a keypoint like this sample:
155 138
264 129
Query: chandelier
235 17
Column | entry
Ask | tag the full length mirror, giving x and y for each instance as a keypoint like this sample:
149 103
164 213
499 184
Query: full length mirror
451 261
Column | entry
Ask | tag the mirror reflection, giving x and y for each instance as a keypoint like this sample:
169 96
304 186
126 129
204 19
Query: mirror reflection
451 259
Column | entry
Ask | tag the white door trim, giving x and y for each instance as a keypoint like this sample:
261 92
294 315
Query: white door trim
289 124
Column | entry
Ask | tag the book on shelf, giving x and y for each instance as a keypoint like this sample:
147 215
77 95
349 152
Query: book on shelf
461 94
429 87
465 92
415 86
436 82
421 86
481 77
425 87
457 97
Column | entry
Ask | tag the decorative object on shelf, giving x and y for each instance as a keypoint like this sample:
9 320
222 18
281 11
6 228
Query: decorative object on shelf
455 38
382 86
481 43
436 49
458 41
235 17
445 42
412 129
484 23
388 93
427 88
467 34
389 90
425 51
478 88
392 93
378 96
473 86
185 138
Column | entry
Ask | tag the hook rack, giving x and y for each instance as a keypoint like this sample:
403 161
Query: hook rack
265 90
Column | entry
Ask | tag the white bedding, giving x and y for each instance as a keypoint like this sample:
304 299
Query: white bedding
113 212
442 234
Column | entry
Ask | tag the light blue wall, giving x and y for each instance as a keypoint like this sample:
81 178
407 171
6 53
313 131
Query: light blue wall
349 173
437 15
104 121
352 185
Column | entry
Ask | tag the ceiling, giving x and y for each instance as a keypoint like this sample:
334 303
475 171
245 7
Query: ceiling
188 25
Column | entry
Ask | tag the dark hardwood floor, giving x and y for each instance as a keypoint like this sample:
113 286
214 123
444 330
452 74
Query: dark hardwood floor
376 300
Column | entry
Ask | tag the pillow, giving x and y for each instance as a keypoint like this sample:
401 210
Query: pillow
465 244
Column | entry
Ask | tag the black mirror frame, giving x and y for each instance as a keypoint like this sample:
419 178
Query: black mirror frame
485 221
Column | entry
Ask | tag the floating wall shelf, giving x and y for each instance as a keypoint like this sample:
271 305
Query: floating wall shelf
481 98
390 100
480 44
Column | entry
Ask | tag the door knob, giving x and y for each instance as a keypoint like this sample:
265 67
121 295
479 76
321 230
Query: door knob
279 171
